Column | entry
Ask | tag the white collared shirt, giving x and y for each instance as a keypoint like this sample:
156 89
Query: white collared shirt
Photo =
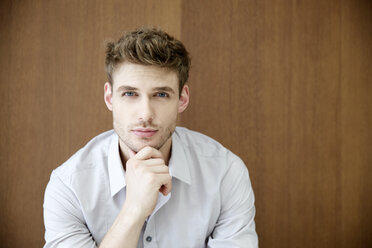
211 203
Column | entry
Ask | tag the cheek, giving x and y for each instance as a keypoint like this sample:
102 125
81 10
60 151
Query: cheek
170 114
119 114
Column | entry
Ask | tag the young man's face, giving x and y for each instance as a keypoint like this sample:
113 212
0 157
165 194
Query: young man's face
145 104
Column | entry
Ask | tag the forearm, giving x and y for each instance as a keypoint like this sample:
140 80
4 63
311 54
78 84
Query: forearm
125 231
146 174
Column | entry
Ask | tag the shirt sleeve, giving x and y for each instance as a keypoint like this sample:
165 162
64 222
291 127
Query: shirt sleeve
63 219
235 226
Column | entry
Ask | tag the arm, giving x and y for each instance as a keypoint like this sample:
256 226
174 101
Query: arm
235 226
126 229
64 222
146 175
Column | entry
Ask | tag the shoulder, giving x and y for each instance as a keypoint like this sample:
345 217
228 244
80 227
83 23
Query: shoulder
208 149
94 153
201 143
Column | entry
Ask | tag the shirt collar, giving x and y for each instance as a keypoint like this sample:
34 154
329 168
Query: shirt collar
178 165
115 167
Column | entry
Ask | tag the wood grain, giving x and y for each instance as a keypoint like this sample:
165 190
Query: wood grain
286 85
52 76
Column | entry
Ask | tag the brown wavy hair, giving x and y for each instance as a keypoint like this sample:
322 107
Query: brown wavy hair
149 46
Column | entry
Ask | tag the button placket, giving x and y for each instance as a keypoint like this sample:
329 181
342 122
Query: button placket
149 239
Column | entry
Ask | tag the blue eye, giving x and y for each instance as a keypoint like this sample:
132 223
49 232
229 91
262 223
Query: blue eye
129 93
162 94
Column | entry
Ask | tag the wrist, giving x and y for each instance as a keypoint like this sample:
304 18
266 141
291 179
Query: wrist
133 214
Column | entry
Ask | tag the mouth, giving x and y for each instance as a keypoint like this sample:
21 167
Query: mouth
144 132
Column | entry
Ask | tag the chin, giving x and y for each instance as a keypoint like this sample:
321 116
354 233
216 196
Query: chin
138 146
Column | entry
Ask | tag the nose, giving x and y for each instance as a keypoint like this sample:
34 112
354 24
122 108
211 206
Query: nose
145 110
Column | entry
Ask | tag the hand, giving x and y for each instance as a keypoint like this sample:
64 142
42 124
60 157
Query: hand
146 175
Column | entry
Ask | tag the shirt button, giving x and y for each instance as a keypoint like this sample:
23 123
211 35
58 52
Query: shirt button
148 238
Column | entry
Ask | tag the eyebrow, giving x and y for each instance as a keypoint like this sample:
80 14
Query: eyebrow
127 87
167 89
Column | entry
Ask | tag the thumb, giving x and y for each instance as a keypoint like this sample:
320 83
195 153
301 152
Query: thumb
131 153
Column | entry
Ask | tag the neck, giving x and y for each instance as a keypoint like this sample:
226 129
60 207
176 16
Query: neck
166 150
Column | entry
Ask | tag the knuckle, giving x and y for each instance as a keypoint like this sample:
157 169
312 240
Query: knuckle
151 178
160 161
141 170
130 163
148 149
136 164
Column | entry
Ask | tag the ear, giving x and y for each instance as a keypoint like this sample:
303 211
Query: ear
108 95
184 99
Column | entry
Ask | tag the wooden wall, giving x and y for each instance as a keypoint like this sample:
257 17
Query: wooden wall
284 84
287 86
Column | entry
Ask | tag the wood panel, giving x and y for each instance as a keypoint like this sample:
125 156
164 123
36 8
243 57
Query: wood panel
52 76
287 86
284 84
356 119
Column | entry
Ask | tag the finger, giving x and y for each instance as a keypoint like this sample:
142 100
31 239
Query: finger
166 186
163 190
148 152
158 169
154 162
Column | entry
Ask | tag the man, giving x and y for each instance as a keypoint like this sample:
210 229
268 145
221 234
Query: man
148 183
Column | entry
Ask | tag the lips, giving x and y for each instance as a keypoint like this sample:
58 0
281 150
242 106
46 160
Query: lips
144 132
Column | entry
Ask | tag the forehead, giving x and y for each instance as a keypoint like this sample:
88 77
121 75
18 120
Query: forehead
144 76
